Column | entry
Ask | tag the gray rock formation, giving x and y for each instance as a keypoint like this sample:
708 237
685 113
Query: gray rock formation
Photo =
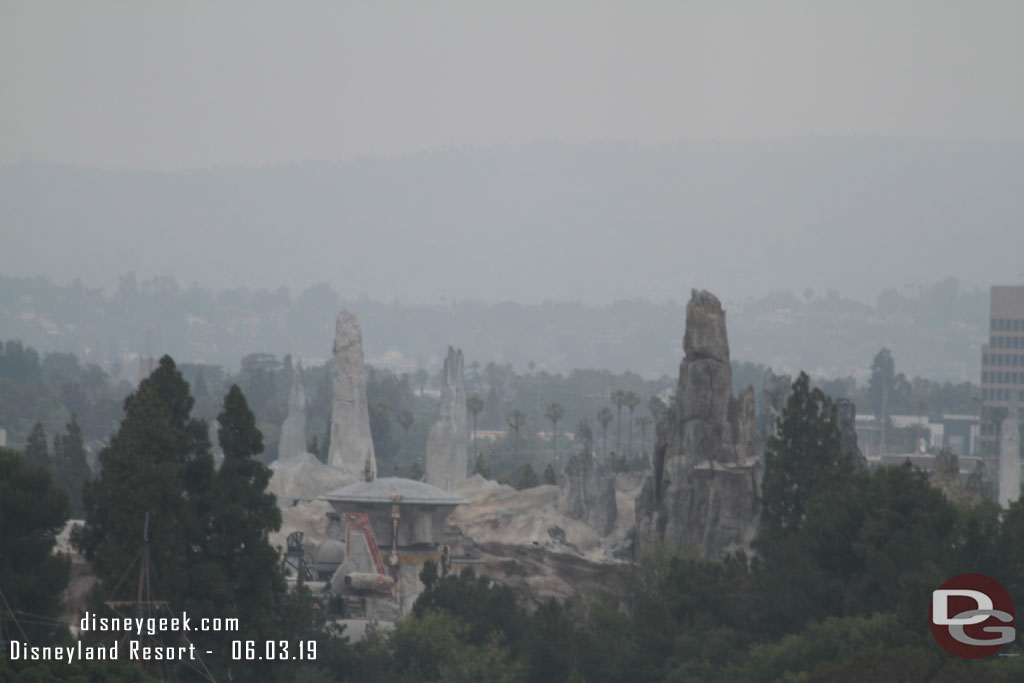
351 447
847 411
703 494
977 485
303 477
1009 459
585 491
523 540
297 475
293 432
946 475
448 441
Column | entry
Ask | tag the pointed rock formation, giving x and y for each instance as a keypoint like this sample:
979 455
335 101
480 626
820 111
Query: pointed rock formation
976 486
946 474
703 494
847 411
448 441
293 432
296 474
351 448
585 491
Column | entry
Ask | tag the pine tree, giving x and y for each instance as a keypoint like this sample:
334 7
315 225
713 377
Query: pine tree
158 462
36 451
71 469
803 459
240 576
32 512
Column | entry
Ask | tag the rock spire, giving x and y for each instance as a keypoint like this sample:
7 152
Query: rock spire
351 448
448 441
703 494
293 432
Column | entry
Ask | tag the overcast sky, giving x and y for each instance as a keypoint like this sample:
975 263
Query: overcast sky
168 85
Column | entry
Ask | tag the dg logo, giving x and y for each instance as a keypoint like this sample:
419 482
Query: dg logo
971 616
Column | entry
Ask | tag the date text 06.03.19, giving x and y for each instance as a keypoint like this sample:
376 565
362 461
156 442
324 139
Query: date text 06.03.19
273 650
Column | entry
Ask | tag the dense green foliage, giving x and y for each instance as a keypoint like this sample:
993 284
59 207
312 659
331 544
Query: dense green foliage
802 460
208 528
838 590
33 511
48 390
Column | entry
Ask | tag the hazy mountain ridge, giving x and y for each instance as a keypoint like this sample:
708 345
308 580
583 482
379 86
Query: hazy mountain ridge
595 222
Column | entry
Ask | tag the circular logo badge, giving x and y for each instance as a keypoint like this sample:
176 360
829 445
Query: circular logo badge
971 616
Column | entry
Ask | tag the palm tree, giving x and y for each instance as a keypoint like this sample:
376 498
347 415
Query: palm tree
474 404
644 421
555 412
516 419
619 399
405 420
632 401
605 417
421 378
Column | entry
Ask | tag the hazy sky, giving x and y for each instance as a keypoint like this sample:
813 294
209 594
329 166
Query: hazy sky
169 85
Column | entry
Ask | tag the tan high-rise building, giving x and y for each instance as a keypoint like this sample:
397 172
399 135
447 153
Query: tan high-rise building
1002 359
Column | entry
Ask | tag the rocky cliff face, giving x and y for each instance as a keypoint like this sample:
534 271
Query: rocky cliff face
523 539
946 474
351 447
847 413
293 432
585 491
448 440
703 494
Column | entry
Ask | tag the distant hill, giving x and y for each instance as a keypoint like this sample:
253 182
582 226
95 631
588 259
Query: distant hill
546 221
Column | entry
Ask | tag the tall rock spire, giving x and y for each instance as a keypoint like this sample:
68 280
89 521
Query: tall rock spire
351 448
702 496
448 441
293 432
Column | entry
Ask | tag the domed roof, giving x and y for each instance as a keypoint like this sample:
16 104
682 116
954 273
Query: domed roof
393 490
330 552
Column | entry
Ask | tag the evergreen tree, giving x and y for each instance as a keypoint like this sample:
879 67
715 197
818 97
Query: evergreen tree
803 459
36 451
158 462
239 575
32 512
71 469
